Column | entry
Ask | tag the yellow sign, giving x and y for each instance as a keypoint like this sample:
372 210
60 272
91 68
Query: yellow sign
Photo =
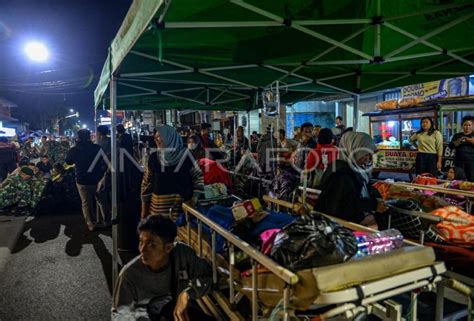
452 87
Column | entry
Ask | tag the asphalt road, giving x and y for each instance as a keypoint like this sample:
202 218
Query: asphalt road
57 271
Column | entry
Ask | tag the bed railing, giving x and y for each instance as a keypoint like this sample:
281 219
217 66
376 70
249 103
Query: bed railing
257 257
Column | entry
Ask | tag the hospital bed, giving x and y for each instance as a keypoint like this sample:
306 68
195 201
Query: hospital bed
454 286
356 290
469 195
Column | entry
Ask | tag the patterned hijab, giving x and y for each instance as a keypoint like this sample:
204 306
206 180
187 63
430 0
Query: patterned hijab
174 148
352 147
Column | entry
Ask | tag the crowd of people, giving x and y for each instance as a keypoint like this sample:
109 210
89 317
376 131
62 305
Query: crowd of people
167 276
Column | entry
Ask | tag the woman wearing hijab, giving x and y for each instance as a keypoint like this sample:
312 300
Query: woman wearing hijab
170 177
345 190
430 148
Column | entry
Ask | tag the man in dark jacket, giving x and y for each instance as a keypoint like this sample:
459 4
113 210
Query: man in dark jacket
164 280
125 139
90 168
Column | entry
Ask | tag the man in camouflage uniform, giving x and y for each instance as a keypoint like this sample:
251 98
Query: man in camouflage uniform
16 190
38 184
28 150
52 150
62 150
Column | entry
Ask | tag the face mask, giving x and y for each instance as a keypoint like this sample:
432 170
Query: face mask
192 146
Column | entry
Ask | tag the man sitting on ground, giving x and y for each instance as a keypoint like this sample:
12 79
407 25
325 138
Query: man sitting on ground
16 191
45 166
162 282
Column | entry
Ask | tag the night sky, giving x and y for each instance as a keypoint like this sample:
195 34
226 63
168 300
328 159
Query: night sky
77 33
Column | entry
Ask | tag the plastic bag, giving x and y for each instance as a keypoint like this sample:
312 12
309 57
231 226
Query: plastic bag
312 241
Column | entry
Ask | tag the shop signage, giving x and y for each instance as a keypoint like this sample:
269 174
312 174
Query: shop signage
452 87
405 160
395 159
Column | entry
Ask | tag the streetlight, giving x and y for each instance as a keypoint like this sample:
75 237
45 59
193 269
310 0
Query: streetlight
71 110
84 126
37 51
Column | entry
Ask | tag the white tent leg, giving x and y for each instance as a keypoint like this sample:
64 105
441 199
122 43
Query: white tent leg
113 138
356 111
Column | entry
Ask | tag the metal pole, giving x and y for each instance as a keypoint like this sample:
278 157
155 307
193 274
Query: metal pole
248 127
113 138
254 291
355 111
214 263
439 301
414 305
231 273
286 303
200 237
377 33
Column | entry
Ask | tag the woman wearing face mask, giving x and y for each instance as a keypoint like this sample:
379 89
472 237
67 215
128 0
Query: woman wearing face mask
195 147
170 177
345 190
430 148
463 143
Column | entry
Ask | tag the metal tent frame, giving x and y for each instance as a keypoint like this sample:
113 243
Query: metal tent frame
225 90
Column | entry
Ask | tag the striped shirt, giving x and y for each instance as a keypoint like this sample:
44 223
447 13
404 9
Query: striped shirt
166 190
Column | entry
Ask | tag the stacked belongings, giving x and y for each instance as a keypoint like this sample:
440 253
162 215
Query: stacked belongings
452 238
312 245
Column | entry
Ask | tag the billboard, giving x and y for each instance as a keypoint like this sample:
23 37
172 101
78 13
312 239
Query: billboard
452 87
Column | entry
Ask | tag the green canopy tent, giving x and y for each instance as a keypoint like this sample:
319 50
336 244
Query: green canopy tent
219 54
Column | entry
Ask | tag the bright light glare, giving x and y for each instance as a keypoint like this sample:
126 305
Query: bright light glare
37 51
71 110
84 126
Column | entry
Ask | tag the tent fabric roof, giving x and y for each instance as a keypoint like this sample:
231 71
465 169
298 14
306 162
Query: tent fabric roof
219 54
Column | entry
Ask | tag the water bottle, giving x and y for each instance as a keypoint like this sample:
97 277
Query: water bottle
380 242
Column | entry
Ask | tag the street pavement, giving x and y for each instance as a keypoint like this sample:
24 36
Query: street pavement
10 230
56 271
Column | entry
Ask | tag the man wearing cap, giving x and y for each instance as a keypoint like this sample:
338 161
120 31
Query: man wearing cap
16 190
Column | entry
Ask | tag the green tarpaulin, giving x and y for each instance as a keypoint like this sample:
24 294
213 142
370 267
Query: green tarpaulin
217 54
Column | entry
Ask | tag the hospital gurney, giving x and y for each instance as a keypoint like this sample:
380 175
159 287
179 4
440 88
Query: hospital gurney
462 284
356 289
443 190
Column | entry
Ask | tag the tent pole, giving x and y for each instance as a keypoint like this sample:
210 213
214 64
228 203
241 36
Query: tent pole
355 111
325 52
113 138
338 76
248 127
431 34
378 27
429 44
95 122
334 87
301 28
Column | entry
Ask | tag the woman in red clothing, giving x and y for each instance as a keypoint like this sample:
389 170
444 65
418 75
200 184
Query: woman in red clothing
324 154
